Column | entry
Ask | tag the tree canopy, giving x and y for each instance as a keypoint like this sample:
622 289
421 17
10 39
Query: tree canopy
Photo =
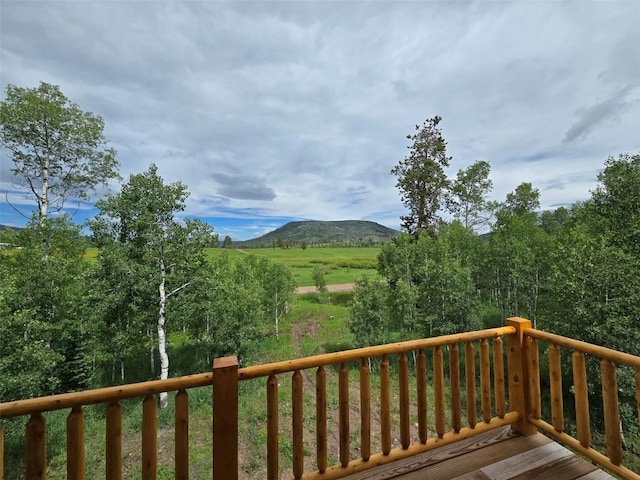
422 181
58 150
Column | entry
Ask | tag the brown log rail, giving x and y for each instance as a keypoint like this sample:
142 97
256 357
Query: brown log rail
440 373
35 436
612 460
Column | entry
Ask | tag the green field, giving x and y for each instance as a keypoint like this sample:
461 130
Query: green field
341 264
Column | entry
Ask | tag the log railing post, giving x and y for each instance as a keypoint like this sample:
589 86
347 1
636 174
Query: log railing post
518 375
225 418
36 466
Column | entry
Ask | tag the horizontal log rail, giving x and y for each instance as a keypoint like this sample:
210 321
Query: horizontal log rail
102 395
555 427
337 358
442 375
587 348
36 427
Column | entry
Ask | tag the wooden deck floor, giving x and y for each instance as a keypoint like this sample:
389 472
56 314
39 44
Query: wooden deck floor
496 455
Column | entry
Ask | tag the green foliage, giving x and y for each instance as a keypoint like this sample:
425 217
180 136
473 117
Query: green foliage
58 150
430 280
422 181
369 313
319 279
470 189
44 328
617 203
523 201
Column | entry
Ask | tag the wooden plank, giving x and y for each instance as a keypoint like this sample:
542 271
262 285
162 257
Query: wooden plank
397 454
525 462
596 475
475 475
470 463
564 469
452 451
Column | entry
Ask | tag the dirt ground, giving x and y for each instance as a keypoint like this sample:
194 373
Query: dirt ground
341 287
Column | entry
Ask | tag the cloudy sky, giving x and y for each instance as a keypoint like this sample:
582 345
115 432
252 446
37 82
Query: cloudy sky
272 111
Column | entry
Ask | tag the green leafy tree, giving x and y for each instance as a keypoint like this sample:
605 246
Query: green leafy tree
555 221
227 242
422 181
45 336
523 201
319 279
58 150
369 313
470 190
430 281
517 261
141 223
617 201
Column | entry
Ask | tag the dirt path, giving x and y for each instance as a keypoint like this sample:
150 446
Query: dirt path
340 287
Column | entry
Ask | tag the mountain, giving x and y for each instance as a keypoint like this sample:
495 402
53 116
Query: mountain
311 232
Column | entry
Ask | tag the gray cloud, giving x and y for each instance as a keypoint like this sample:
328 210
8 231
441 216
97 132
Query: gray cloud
598 113
243 187
302 108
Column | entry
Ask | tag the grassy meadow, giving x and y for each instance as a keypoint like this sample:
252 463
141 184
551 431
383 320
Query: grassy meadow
340 264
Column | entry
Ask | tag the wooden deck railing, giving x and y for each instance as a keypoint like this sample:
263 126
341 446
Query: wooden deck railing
555 427
434 363
35 436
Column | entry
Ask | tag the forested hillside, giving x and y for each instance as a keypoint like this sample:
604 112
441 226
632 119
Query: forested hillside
321 233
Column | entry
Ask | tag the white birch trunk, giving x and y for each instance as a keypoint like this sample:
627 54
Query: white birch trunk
44 196
162 339
152 349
